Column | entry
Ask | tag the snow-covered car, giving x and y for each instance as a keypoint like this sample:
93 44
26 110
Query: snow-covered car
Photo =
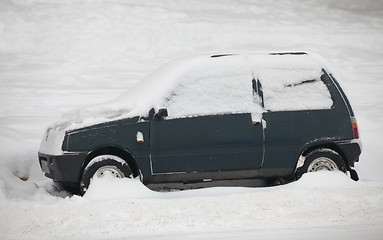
211 118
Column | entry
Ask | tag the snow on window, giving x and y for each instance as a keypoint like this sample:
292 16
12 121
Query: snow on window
294 89
219 87
225 85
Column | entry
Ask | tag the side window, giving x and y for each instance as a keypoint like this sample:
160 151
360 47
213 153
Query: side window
293 90
213 90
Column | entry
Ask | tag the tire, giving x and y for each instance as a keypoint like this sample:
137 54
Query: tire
321 159
100 165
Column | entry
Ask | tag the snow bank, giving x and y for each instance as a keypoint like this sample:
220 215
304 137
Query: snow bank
108 188
105 189
324 179
135 211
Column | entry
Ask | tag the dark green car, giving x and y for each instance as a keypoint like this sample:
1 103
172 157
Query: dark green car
212 118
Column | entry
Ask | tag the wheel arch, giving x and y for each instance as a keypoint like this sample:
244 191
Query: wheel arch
116 151
329 145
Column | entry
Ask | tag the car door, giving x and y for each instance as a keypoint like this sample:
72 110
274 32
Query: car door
214 123
222 142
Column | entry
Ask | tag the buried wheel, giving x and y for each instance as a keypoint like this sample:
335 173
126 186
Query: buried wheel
104 165
321 159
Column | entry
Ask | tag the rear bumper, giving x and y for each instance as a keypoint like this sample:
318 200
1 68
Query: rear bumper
351 151
62 168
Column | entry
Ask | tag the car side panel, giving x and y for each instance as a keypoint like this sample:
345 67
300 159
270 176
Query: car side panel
121 134
289 133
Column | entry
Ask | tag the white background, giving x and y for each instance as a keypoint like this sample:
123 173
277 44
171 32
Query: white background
59 55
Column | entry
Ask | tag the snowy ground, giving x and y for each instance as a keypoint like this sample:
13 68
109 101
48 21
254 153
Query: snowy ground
60 55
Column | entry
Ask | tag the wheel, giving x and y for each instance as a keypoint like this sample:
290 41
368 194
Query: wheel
101 166
321 159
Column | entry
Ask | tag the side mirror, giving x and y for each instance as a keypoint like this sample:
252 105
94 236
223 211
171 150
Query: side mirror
163 112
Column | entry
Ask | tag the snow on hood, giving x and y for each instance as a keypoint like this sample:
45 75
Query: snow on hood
275 70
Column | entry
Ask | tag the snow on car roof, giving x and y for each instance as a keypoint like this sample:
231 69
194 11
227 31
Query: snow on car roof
274 69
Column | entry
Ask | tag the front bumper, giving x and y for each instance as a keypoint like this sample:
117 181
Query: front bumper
62 168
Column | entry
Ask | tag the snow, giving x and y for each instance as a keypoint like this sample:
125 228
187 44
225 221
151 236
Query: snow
285 95
64 55
52 141
201 85
141 212
140 137
217 86
103 157
223 85
137 101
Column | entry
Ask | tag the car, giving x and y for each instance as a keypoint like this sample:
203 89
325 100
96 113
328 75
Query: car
211 118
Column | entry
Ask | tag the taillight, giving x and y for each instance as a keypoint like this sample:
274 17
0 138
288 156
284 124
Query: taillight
355 127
